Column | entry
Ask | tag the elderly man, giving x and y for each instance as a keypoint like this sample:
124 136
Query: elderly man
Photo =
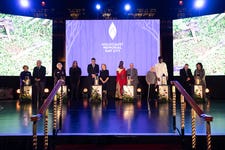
132 73
39 73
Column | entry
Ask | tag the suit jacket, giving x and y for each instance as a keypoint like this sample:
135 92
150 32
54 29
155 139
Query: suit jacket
133 73
39 73
184 75
93 70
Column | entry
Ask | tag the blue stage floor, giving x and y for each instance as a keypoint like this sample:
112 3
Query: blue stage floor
112 117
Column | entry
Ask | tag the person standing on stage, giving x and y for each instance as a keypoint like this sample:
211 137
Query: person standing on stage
161 71
186 78
59 73
199 76
151 80
39 73
121 80
104 78
25 76
75 74
132 75
93 71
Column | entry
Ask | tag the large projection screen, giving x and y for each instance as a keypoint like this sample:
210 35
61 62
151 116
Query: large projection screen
200 39
109 41
23 41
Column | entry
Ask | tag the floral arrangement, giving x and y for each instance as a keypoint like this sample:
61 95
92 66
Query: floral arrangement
127 98
163 95
25 97
198 97
95 96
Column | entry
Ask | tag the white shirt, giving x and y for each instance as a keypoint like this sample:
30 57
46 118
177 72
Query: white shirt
161 68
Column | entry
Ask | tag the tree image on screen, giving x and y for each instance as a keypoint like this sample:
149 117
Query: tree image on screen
200 39
110 41
23 41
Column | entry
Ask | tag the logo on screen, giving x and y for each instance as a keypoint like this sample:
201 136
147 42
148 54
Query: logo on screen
112 31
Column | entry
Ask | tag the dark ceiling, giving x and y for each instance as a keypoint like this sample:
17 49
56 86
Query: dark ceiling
85 9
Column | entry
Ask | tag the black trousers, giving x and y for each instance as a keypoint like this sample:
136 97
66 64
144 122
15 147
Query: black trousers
152 92
75 90
38 92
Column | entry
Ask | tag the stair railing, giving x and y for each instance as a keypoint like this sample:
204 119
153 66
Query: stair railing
43 113
185 97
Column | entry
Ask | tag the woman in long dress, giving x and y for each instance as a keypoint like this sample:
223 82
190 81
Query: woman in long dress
121 80
104 78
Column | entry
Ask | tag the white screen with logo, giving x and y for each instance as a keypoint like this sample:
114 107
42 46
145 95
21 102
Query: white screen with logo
110 41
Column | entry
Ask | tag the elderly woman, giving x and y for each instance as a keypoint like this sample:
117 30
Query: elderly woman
25 76
59 73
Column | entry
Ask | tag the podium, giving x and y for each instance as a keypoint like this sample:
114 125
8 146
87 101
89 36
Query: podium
128 93
26 93
198 91
163 92
96 92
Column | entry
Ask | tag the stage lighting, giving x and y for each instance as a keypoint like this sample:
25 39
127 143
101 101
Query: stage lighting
127 7
24 3
207 91
43 3
46 90
139 90
85 93
98 6
181 2
199 3
85 90
18 91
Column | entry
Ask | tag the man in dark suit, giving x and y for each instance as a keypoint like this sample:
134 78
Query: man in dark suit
93 71
39 73
187 78
132 73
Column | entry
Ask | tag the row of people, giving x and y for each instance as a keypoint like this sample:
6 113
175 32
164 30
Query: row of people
153 77
188 80
75 72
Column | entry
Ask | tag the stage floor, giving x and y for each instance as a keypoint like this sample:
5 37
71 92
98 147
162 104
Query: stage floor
111 117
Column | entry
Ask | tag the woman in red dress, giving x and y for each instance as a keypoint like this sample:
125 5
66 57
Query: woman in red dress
121 80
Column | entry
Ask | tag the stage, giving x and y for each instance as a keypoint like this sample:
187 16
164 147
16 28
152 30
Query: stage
138 121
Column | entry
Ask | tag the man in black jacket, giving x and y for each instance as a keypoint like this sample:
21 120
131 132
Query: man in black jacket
39 73
93 71
187 78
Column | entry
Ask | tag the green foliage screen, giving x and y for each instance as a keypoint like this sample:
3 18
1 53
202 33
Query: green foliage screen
200 39
23 41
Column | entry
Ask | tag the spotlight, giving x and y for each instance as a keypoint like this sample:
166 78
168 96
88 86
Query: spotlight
181 2
85 93
207 91
139 90
24 3
85 90
43 3
98 6
18 91
199 3
127 7
46 90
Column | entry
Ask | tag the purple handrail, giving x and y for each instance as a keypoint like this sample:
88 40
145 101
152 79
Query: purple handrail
191 101
48 100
